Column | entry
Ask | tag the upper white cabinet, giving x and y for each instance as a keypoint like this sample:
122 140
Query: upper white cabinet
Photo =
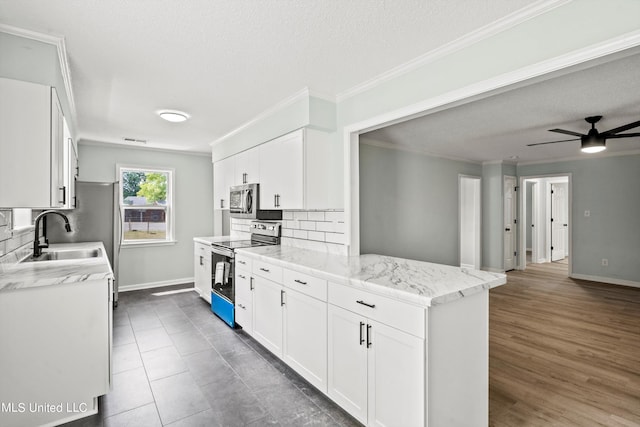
223 178
71 168
281 172
31 134
247 167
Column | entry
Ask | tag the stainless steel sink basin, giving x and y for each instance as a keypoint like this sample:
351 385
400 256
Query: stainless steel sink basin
66 255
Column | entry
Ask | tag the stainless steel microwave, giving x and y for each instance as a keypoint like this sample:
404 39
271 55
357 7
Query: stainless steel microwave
244 202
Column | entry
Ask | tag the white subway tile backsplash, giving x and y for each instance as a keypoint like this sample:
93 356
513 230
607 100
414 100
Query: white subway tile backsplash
286 232
287 215
300 234
333 227
307 225
292 224
3 248
316 235
301 215
5 217
315 216
334 216
334 237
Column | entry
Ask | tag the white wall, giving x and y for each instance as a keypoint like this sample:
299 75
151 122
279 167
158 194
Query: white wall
193 209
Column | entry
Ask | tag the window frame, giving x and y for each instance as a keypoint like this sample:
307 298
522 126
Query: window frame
170 237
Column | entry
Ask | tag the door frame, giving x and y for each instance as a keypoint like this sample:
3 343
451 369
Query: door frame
478 222
521 230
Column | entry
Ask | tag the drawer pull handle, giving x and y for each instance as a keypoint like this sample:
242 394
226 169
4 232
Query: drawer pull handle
361 333
281 298
266 270
300 281
368 336
242 306
241 262
242 277
364 303
250 283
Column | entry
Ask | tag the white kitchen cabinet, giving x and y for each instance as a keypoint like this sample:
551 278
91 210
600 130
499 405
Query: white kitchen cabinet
244 295
31 133
268 299
223 179
247 167
305 337
376 372
71 168
281 172
56 349
202 270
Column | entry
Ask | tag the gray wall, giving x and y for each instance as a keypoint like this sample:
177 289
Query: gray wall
193 209
608 188
409 204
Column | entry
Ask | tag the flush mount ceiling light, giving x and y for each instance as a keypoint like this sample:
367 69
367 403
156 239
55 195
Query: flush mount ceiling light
173 116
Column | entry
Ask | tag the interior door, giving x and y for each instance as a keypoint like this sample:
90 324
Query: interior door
559 221
509 223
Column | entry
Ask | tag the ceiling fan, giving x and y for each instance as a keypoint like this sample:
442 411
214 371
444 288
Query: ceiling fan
594 141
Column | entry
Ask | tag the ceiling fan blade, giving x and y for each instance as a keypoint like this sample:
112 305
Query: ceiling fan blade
552 142
610 132
622 135
567 132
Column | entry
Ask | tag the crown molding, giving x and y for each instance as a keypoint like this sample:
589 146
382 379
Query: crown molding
301 94
463 42
93 142
57 41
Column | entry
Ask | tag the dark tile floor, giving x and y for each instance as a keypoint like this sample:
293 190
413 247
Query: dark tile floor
175 363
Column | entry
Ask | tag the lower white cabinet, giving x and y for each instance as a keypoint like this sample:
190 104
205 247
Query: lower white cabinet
268 299
305 337
376 372
244 299
202 270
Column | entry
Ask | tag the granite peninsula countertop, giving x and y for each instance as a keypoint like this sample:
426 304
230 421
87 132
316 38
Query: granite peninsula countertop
416 282
216 239
45 273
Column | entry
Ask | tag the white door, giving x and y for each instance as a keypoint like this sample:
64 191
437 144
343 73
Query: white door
305 337
347 382
509 223
559 221
396 377
267 314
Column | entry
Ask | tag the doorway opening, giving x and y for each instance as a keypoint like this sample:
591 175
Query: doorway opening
545 231
470 221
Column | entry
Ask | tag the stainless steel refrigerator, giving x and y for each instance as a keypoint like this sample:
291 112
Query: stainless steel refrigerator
96 218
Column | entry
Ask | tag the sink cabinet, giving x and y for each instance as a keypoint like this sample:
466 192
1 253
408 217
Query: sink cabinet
32 134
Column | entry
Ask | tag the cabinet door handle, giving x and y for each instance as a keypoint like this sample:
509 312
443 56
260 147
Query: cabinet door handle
278 200
281 298
241 262
244 178
64 195
221 203
361 333
300 281
364 303
368 336
250 283
242 306
201 261
266 270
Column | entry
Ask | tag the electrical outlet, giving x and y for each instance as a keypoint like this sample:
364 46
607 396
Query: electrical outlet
605 262
587 214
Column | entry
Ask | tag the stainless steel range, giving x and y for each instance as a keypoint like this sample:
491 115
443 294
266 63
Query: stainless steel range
263 233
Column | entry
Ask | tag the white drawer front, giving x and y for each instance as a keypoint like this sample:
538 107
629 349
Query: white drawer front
243 284
400 315
268 271
200 249
243 262
305 284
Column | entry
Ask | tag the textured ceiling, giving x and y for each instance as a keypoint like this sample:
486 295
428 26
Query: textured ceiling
500 127
226 61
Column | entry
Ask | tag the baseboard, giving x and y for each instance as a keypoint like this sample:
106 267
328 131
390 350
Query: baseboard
148 285
609 280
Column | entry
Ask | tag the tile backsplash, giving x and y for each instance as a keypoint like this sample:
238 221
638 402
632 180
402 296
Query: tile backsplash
322 231
13 243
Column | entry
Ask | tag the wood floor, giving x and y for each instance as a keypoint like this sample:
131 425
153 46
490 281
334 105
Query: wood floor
563 352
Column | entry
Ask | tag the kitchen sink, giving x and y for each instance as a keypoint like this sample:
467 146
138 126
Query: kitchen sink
65 255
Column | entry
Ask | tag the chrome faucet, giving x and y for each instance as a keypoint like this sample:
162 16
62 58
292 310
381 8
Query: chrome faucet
37 246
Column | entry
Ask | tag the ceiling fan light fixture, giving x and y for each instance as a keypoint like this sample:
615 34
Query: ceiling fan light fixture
173 116
593 145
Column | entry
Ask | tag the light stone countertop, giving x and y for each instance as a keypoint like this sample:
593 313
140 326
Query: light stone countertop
416 282
210 240
45 273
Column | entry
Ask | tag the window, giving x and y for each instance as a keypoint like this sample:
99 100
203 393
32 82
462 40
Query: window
146 201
